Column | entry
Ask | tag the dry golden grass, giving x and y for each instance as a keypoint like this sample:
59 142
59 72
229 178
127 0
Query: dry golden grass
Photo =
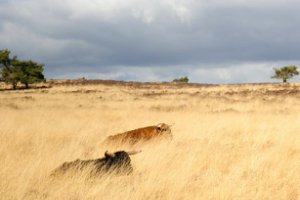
230 141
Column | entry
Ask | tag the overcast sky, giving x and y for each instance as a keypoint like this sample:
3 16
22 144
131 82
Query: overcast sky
212 41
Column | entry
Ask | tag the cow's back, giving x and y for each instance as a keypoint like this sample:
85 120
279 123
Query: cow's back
134 136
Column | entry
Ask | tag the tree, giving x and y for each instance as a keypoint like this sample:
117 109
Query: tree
29 72
14 70
183 79
285 72
8 73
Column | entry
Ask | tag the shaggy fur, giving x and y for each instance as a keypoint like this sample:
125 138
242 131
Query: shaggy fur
118 162
161 131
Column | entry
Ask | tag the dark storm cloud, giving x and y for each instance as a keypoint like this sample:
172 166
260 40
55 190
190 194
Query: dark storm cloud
153 40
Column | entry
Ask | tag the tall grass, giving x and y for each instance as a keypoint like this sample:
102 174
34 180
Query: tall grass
230 141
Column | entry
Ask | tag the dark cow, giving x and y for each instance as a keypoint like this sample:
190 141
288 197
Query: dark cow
118 163
160 131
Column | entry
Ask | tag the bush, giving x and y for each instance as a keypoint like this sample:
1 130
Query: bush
183 79
82 79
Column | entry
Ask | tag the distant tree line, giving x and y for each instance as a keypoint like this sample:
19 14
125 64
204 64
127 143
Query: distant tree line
14 71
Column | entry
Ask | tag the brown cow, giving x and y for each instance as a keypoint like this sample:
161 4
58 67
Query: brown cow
161 131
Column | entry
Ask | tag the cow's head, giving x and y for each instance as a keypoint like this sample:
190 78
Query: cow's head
164 130
119 161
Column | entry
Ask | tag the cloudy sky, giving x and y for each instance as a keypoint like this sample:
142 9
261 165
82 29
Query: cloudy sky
212 41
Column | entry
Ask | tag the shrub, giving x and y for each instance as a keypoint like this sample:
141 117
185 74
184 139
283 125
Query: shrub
183 79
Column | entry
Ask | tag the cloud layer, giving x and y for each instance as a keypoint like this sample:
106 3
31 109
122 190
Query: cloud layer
211 41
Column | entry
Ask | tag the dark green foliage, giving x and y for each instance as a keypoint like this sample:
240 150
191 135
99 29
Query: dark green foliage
285 72
5 60
10 75
82 79
8 72
13 70
183 79
29 72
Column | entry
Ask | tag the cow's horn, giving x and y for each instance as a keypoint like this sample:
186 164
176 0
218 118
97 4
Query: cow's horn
159 125
133 152
107 154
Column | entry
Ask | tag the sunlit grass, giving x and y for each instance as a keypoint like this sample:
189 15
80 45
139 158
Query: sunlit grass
230 141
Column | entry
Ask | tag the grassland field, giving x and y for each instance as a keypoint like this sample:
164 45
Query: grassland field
239 141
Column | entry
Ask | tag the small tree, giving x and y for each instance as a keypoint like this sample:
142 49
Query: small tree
14 70
183 79
285 72
29 72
